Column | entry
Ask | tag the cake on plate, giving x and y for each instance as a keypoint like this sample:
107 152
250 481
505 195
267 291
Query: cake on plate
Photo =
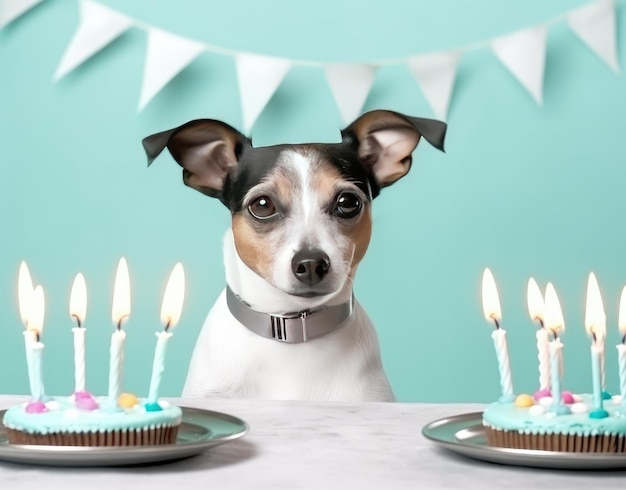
84 420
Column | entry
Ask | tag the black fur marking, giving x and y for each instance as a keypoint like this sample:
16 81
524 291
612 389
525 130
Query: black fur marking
256 163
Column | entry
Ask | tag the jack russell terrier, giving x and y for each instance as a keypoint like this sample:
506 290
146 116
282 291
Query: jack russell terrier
287 325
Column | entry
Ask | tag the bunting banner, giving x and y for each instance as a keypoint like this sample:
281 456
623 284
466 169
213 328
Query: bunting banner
435 74
350 85
522 53
12 9
166 56
594 24
258 77
98 27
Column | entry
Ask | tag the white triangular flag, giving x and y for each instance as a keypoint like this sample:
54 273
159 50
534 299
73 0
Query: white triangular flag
435 74
98 27
12 9
524 54
350 84
258 77
166 56
594 24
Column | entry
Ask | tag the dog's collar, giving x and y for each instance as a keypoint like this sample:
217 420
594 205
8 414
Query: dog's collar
291 328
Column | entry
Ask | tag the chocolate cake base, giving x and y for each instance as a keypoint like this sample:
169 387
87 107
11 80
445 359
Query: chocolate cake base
140 437
572 443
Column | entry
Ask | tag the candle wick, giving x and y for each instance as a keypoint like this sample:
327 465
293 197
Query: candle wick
624 339
495 320
554 333
540 320
119 322
78 322
593 336
37 336
167 325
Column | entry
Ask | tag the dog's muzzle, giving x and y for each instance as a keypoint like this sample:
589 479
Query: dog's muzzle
290 328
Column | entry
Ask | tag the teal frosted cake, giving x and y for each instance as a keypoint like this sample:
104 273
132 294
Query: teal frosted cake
84 420
531 423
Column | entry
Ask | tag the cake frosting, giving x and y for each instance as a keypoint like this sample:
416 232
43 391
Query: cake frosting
538 419
70 415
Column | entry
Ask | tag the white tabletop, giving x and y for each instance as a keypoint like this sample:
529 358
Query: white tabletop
314 445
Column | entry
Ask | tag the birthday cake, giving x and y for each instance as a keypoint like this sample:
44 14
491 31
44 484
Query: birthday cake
81 419
528 423
552 419
84 420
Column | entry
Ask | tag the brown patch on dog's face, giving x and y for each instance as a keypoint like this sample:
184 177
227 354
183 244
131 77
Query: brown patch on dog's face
303 203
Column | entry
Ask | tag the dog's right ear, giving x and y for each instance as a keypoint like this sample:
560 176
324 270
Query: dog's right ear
206 149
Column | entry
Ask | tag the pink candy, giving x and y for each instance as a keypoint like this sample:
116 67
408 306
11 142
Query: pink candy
36 407
539 394
85 401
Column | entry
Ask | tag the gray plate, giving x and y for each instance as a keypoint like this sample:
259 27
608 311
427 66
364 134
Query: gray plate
200 430
464 434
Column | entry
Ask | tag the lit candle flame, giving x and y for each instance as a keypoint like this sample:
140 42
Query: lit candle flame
534 299
24 292
173 298
553 316
78 299
595 318
621 319
36 312
121 294
491 301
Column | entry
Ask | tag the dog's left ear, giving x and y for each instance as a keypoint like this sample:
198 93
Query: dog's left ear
386 140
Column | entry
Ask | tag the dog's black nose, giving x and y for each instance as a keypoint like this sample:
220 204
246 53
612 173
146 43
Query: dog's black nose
310 265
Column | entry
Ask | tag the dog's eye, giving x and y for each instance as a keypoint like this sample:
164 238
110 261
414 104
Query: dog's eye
262 208
347 205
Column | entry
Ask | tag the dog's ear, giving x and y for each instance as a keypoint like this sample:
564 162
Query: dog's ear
206 149
386 139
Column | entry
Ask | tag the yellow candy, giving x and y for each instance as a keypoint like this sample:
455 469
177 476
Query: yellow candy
524 401
127 400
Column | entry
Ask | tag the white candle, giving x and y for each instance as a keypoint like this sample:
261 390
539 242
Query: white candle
25 299
171 309
621 357
621 348
116 365
554 323
79 359
556 347
536 307
120 312
78 308
492 312
543 355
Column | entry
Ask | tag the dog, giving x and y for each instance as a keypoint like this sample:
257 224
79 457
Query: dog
287 325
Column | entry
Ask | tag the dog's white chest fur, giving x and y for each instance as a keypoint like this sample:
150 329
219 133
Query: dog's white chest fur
229 360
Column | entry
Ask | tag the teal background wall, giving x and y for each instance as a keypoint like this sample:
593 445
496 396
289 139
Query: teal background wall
522 189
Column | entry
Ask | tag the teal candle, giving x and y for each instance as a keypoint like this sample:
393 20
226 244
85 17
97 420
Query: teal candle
158 365
30 338
37 387
596 377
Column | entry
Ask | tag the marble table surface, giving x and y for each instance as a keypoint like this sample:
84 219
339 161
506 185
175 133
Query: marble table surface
314 445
